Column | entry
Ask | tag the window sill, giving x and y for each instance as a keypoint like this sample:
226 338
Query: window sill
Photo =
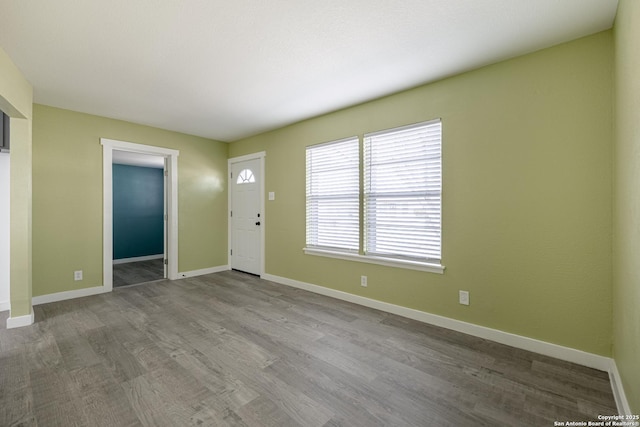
389 262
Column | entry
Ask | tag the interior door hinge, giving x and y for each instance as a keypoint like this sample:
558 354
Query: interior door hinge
231 213
231 251
166 173
166 261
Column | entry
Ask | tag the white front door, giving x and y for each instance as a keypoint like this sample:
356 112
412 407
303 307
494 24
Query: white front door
246 218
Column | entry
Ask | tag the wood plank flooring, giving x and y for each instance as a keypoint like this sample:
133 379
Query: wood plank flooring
132 273
230 349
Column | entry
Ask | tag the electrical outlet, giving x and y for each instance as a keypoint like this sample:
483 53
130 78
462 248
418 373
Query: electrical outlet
363 281
77 275
464 297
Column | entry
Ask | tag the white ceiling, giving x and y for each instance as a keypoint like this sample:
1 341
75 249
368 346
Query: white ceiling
230 69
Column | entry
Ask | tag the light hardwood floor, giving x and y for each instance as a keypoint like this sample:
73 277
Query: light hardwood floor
231 349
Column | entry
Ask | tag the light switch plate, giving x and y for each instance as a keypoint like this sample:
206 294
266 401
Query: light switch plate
272 195
464 297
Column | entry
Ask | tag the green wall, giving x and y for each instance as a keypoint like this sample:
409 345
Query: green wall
16 97
67 196
527 169
626 249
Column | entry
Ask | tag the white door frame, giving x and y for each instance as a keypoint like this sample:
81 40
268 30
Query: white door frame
108 145
260 155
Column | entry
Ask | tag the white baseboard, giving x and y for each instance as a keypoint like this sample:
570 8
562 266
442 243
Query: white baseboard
618 390
78 293
61 296
580 357
137 258
5 305
20 321
203 271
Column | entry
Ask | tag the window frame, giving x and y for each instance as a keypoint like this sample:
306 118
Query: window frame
243 178
402 169
426 264
318 234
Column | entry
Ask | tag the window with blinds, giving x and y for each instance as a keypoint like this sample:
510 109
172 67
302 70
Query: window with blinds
333 195
402 192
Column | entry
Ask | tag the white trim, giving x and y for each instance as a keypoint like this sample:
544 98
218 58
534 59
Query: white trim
107 222
5 233
590 360
138 148
137 258
259 155
618 390
172 204
405 127
65 295
389 262
96 290
203 271
20 321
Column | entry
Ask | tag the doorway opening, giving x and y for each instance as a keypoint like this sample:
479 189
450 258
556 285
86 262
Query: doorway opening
139 212
162 262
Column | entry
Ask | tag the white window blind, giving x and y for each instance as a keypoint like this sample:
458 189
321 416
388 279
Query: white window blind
402 192
333 188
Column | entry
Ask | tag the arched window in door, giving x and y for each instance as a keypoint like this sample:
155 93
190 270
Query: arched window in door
245 177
